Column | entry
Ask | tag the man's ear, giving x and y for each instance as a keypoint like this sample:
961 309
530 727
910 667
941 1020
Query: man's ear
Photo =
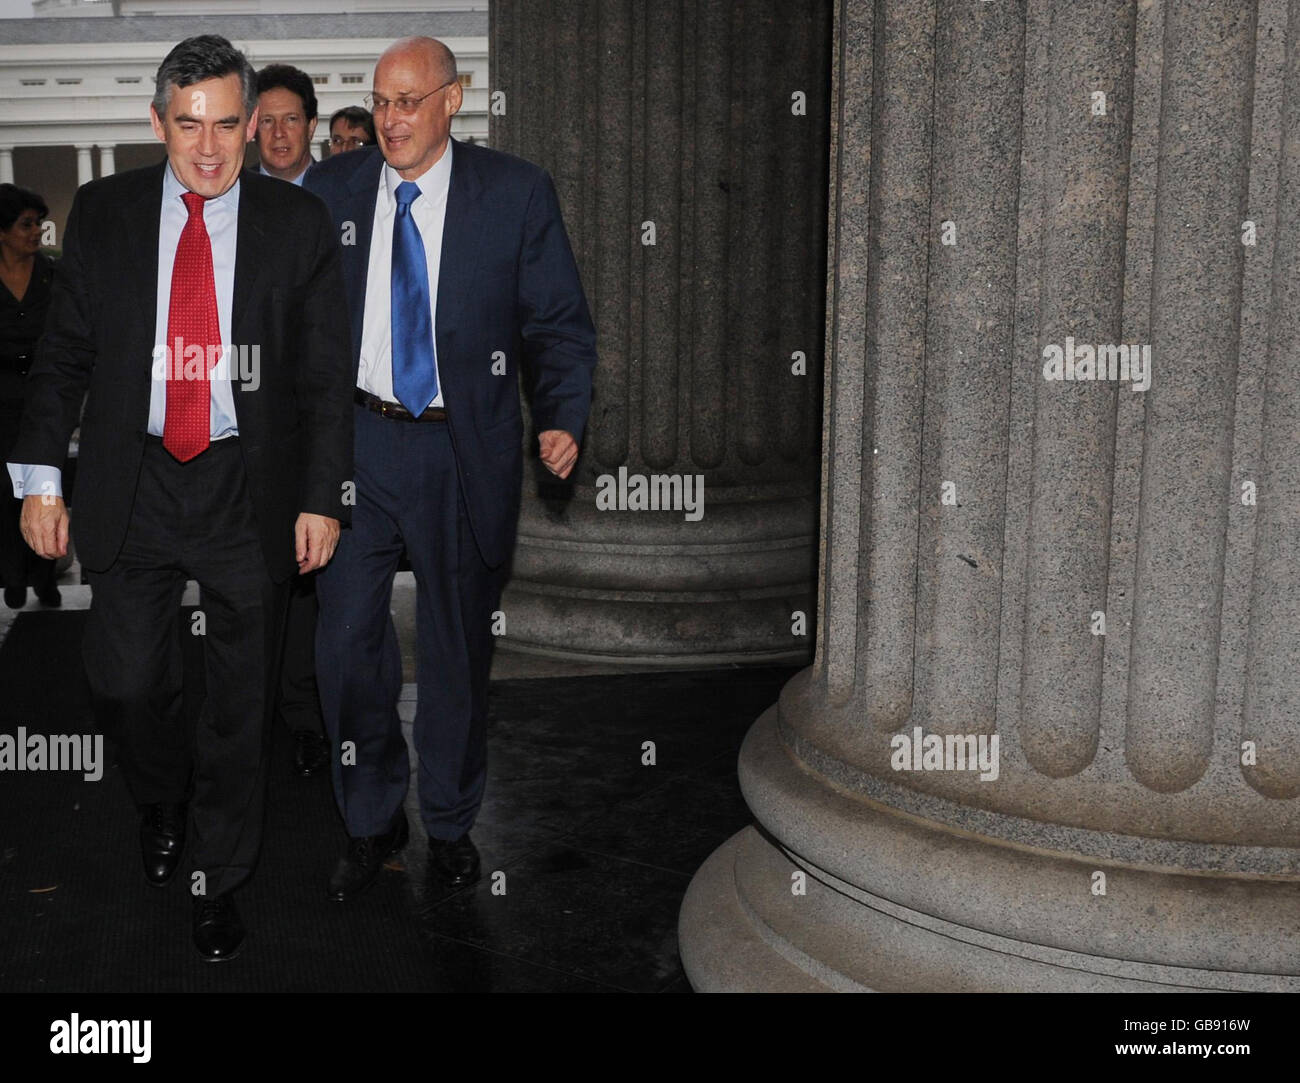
250 133
455 98
311 129
156 121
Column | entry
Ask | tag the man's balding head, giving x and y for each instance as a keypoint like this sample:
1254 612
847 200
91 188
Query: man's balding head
411 69
441 60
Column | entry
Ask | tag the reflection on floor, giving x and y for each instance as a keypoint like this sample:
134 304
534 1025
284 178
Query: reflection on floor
589 849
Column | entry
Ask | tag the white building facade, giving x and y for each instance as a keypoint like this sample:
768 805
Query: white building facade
75 88
63 8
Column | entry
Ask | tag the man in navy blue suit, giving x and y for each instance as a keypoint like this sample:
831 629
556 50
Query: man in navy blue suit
459 276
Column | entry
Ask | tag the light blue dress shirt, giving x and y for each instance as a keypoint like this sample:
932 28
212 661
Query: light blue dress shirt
221 218
296 180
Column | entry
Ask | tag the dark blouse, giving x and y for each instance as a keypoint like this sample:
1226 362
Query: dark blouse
21 322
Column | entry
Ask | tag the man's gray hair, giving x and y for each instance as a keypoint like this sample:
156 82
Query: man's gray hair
204 57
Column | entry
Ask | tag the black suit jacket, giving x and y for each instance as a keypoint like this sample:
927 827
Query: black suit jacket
295 428
507 285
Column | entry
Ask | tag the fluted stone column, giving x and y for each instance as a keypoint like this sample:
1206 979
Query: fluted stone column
688 145
1105 579
107 164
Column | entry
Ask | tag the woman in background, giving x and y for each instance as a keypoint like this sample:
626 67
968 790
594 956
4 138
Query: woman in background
25 277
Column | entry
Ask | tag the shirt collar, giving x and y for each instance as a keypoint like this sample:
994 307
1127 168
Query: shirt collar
173 189
433 182
261 168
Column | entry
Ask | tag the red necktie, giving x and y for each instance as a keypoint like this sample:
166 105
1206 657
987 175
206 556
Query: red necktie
192 325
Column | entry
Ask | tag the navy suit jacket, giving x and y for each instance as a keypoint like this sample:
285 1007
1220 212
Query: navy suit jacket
507 284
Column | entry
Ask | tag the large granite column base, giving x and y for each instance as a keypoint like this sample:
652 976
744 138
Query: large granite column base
933 909
724 949
656 589
699 634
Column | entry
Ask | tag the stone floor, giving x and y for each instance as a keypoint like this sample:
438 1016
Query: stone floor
587 850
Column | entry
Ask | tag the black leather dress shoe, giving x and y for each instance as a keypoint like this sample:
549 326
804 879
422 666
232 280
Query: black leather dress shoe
311 752
360 866
218 932
15 597
162 839
453 863
49 596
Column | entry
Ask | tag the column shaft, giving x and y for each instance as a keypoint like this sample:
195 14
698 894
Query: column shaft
688 146
1049 739
85 166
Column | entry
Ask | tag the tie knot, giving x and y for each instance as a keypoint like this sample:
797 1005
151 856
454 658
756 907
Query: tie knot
193 203
407 193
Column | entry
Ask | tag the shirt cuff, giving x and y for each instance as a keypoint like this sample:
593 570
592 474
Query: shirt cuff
35 480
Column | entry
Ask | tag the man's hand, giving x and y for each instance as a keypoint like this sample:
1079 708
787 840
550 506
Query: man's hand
315 537
44 524
559 451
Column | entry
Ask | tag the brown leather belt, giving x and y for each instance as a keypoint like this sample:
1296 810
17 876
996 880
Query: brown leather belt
396 410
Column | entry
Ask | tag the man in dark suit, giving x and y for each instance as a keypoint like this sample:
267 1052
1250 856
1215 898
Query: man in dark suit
286 122
459 276
199 310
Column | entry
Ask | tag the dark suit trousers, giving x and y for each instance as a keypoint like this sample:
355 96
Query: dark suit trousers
407 494
191 521
299 700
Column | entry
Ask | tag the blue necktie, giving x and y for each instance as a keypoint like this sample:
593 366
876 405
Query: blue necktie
415 380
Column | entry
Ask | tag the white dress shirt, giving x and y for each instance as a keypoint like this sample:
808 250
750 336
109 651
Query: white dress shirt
221 219
375 372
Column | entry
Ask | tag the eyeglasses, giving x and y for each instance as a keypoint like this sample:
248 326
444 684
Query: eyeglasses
405 106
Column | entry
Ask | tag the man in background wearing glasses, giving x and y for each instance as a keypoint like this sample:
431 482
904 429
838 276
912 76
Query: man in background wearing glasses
459 276
351 128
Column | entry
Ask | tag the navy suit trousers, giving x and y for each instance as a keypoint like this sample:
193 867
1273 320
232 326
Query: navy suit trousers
407 495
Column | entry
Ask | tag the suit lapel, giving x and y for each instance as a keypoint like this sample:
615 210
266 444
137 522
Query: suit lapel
359 209
141 219
461 230
250 259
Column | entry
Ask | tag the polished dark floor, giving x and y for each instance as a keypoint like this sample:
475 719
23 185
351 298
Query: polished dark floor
589 849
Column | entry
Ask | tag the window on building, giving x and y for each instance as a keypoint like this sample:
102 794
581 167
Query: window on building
32 82
68 82
352 79
465 78
128 78
320 80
